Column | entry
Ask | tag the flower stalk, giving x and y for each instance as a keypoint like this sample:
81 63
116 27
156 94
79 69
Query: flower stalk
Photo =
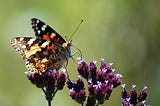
50 82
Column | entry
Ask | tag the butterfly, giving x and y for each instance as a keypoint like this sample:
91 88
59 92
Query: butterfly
46 51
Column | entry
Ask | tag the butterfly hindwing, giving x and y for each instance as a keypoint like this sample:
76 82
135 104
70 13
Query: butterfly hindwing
22 44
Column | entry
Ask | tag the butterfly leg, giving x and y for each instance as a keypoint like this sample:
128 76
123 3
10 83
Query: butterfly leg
65 66
78 51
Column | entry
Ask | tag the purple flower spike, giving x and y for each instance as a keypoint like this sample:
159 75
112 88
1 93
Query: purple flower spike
77 91
35 78
73 94
116 80
108 92
133 95
105 66
83 69
100 82
131 99
80 83
101 76
143 95
70 84
30 76
61 81
49 81
82 96
92 71
124 93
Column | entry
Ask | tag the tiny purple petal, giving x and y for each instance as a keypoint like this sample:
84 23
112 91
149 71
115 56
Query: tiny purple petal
145 87
119 75
123 86
143 95
92 71
133 86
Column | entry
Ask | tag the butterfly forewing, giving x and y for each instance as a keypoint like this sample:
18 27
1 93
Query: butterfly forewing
45 32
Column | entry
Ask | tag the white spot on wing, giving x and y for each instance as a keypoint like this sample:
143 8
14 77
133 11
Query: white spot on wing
43 27
21 39
37 21
31 41
24 46
38 31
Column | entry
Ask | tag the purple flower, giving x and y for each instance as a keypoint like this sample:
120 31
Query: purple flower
92 71
143 95
105 66
83 69
132 98
133 95
35 79
124 94
50 82
61 81
100 82
77 91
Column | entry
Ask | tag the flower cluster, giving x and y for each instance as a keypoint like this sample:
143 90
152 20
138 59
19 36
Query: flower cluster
132 98
77 90
100 83
50 82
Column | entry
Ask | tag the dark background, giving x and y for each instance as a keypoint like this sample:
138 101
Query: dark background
125 32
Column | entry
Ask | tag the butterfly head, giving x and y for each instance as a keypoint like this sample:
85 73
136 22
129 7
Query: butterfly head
67 46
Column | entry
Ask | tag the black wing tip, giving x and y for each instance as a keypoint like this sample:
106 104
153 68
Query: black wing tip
33 19
36 21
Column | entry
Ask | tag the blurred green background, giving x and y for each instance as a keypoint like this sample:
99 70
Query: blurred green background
125 32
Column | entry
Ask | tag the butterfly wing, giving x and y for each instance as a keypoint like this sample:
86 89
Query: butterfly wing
45 32
23 44
28 47
48 50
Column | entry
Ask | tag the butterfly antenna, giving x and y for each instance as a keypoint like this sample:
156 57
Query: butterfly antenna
76 29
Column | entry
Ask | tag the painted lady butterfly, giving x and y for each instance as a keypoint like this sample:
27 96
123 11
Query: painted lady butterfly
47 51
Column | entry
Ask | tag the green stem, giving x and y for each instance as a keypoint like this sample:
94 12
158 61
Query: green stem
44 91
82 104
54 93
49 102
